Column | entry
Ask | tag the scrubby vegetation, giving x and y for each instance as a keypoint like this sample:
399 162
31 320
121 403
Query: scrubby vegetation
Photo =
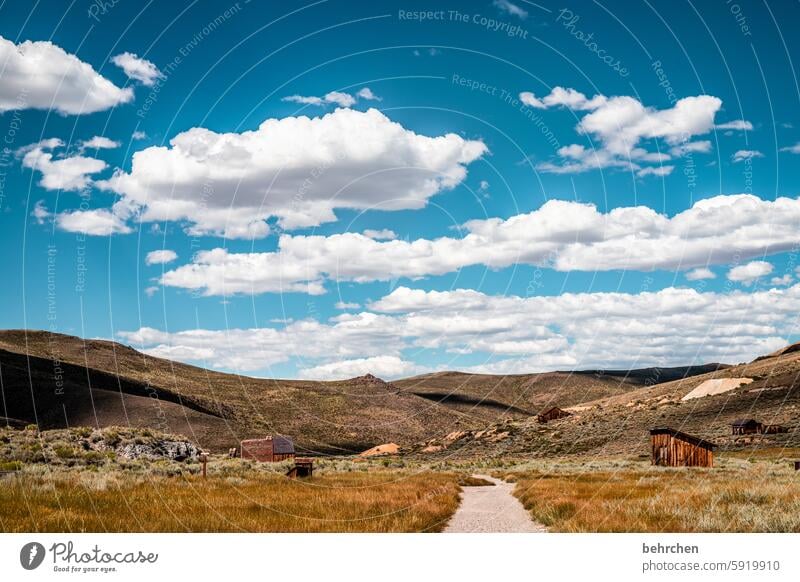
742 495
84 446
242 501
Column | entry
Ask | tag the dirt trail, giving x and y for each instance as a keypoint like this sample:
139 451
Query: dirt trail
491 509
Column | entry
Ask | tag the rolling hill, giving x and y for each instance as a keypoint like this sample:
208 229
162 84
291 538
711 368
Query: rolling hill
618 424
523 395
57 380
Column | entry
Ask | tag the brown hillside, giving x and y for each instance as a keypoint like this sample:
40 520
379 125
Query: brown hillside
105 383
523 395
619 424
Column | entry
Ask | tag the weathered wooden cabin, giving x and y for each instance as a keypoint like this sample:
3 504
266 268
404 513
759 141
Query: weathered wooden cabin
774 429
302 468
673 448
746 426
270 449
552 414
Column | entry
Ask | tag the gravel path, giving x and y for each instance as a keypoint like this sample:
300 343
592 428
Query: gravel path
491 509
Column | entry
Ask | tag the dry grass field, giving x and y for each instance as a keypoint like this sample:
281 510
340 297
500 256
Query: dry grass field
116 501
760 494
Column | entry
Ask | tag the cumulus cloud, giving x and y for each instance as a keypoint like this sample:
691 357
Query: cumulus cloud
655 171
700 274
736 125
137 68
511 8
366 93
702 147
750 273
383 234
563 235
98 222
620 124
338 98
160 257
743 155
345 305
298 169
138 135
795 149
674 326
41 75
99 142
782 281
68 173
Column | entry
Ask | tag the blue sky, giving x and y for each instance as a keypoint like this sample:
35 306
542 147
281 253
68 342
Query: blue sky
328 188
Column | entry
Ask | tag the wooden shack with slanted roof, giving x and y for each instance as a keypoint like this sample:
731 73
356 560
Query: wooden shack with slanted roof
673 448
746 426
270 449
552 414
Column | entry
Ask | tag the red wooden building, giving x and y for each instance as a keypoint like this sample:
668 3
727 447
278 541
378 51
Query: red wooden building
672 448
271 449
552 414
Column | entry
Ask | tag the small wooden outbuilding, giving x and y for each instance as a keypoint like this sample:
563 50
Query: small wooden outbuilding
673 448
302 468
746 426
552 414
270 449
774 429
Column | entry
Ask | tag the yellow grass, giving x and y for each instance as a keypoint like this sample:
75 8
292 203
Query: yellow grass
741 497
119 502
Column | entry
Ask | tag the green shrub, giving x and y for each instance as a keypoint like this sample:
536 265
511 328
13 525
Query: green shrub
10 465
64 452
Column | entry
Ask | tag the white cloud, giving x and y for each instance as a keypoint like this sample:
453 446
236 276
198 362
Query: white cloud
137 68
743 155
339 98
511 8
700 273
41 75
138 135
674 326
566 236
749 273
150 291
795 149
366 93
160 257
345 305
619 124
782 281
386 367
384 234
531 100
736 125
69 173
99 222
298 169
702 147
655 171
100 142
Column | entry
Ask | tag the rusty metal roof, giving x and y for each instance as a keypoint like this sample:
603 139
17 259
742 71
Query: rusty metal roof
683 436
282 445
744 422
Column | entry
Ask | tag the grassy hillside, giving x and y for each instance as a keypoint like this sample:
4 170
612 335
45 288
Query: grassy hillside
58 380
522 395
619 424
